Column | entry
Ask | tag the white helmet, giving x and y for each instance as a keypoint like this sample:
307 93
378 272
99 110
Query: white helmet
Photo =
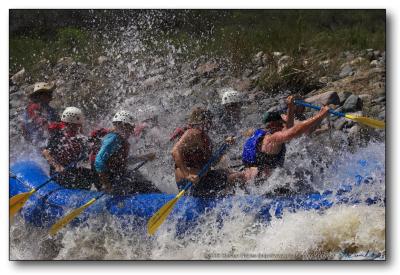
125 117
72 115
230 96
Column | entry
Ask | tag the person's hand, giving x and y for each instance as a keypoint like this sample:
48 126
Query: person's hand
248 132
59 168
290 101
193 178
324 111
230 140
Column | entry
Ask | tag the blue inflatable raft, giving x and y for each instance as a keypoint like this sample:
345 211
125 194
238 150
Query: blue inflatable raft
50 203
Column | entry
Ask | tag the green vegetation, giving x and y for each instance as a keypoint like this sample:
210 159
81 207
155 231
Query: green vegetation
235 35
26 51
239 34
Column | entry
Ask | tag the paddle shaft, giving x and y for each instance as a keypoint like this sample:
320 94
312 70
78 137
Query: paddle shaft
206 167
306 104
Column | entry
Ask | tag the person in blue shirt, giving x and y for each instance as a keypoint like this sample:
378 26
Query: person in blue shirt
111 163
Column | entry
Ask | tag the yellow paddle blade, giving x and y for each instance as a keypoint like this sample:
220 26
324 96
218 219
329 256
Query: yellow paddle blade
18 201
378 124
69 217
159 217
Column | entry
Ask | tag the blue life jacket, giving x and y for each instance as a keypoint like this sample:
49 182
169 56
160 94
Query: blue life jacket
249 155
252 157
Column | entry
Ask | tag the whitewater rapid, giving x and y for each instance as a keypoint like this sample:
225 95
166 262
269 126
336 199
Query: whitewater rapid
327 161
341 232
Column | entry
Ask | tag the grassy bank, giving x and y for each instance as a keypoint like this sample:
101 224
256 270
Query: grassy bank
233 34
27 50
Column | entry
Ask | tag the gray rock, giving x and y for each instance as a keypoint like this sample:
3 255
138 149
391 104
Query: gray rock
343 96
377 54
102 59
325 79
380 99
347 70
358 61
365 97
352 103
194 80
374 63
247 73
157 71
381 92
355 132
19 77
257 59
265 59
330 97
382 115
277 55
207 68
152 81
67 61
339 123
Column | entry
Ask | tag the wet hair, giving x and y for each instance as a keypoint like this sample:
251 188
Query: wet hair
271 116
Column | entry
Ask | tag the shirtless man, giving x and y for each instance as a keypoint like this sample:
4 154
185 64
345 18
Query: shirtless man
192 152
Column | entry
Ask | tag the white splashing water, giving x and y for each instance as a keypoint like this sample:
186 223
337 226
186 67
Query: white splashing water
341 232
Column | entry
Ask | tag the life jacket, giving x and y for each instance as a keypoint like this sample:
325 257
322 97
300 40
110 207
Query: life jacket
95 143
252 156
36 120
178 133
64 149
117 163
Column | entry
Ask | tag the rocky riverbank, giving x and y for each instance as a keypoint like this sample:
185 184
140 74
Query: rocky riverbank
352 82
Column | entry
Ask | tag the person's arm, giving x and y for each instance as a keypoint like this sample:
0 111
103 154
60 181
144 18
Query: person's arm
298 129
290 112
145 157
47 155
178 155
109 146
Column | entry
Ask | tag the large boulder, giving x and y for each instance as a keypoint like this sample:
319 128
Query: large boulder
353 103
346 70
343 96
330 97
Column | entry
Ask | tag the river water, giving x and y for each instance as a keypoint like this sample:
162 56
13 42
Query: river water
341 232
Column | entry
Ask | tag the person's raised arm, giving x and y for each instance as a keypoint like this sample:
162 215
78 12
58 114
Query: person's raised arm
300 128
290 112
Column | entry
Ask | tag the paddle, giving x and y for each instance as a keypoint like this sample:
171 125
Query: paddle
378 124
76 212
159 217
18 201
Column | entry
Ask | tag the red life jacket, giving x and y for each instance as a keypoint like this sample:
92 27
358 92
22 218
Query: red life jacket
178 133
63 148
